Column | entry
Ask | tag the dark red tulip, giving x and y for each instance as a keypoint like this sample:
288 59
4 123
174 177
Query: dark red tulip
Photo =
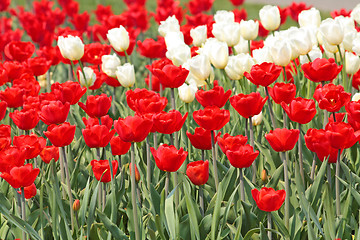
282 139
118 146
168 158
168 122
25 119
19 177
101 169
282 92
213 97
229 142
19 51
145 101
60 135
97 136
211 118
331 97
341 135
198 172
242 156
248 105
29 191
133 128
48 153
267 199
68 91
171 76
31 145
300 110
201 139
96 106
54 112
321 70
263 74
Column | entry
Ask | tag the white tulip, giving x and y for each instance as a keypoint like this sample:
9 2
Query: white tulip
227 32
355 13
109 64
349 39
224 16
356 97
126 75
171 24
118 38
179 54
352 63
270 17
257 119
199 66
238 65
71 47
173 39
313 54
262 55
356 44
281 52
331 31
242 46
219 54
199 35
89 78
249 29
309 17
187 92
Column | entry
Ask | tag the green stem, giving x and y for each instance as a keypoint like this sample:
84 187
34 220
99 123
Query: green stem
167 180
270 109
337 184
23 209
73 72
252 143
312 174
269 225
287 190
301 164
201 200
148 163
241 182
214 160
133 192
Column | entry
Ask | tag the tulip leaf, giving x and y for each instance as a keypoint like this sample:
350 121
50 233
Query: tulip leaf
194 226
91 209
115 231
313 193
84 203
216 213
170 216
280 224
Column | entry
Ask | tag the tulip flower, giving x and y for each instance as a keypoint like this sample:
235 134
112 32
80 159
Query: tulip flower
96 106
241 156
5 136
3 107
249 29
310 18
213 97
198 172
238 65
168 123
68 91
171 76
19 51
54 112
152 49
126 75
29 191
241 103
25 119
282 140
119 38
270 17
60 135
300 110
19 177
119 147
187 92
11 157
263 74
267 199
282 92
341 135
145 101
201 139
13 96
199 35
97 136
109 64
228 142
48 153
87 77
353 110
133 128
321 70
31 145
168 158
101 170
331 97
71 47
211 118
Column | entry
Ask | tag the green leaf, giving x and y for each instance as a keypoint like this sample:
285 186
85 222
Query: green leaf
170 215
115 231
194 226
91 209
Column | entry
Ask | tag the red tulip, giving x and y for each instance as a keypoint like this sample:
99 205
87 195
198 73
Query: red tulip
29 191
133 128
213 97
96 106
19 51
282 92
242 156
228 142
341 135
31 145
201 139
4 5
211 118
104 120
171 76
48 153
68 91
267 199
19 177
13 96
119 147
11 157
94 51
248 105
321 70
3 75
55 112
168 158
144 101
300 110
38 65
97 136
25 119
60 135
5 136
101 169
168 122
13 69
331 97
263 74
198 172
282 139
353 110
152 49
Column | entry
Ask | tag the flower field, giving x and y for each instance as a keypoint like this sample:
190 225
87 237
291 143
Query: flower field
178 120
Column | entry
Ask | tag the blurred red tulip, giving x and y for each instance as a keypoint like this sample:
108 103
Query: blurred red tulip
331 97
101 169
198 172
267 199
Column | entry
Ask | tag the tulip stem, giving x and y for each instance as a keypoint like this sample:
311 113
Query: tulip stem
201 200
284 69
167 180
301 164
284 119
249 46
23 209
312 174
67 176
133 192
269 225
120 171
252 143
308 57
203 155
337 184
188 129
270 108
241 182
150 76
104 195
246 127
329 174
287 189
214 159
73 72
148 163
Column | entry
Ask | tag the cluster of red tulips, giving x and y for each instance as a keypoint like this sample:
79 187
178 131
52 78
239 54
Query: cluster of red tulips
89 112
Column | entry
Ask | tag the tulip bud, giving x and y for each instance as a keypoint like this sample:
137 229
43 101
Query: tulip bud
119 38
199 35
187 92
264 177
239 64
242 46
217 51
224 16
109 64
137 174
257 119
352 63
89 78
281 52
71 47
76 205
356 44
262 55
309 17
270 17
126 75
199 67
249 29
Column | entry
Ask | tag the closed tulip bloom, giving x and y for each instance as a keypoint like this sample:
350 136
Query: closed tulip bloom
68 91
13 96
241 156
219 54
267 199
331 97
263 74
11 157
282 139
282 53
19 51
198 172
60 135
249 29
187 92
171 76
54 112
270 17
352 63
126 75
201 139
71 47
199 35
118 146
145 101
228 32
118 38
168 122
213 97
321 69
31 145
19 177
241 103
257 119
133 128
109 64
332 31
238 65
171 24
309 17
341 135
88 79
152 49
199 67
353 110
96 106
179 54
168 158
25 119
300 110
101 169
282 92
228 142
317 141
49 153
97 136
211 118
